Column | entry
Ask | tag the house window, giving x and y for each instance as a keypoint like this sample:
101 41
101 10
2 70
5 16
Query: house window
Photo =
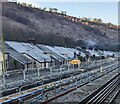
45 64
34 64
51 63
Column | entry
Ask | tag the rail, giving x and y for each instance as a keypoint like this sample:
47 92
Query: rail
98 96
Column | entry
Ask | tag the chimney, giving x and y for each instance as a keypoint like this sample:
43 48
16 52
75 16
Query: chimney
32 40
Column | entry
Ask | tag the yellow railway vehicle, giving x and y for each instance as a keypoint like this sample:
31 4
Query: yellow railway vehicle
74 62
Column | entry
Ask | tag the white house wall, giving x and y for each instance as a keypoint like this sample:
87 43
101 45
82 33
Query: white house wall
39 65
47 65
31 66
42 65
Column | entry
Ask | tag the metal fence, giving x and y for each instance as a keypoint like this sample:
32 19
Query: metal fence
11 79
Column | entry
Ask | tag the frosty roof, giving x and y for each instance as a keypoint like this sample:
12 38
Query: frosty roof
30 50
76 51
93 52
16 55
49 51
60 53
56 51
65 51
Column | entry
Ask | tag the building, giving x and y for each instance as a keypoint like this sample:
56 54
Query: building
32 52
65 52
61 55
69 55
16 60
51 52
13 60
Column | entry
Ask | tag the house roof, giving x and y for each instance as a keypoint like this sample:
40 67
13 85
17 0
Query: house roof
57 52
77 51
49 50
16 55
29 49
64 51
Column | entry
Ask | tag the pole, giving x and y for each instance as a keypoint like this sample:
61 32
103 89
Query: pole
3 53
51 71
60 82
24 74
38 72
76 82
4 65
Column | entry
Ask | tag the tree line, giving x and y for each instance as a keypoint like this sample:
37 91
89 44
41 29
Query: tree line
84 20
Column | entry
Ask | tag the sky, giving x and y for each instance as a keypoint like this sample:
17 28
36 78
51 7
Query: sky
107 11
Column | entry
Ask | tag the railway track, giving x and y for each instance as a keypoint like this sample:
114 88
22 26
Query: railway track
34 93
62 93
112 96
38 83
116 98
98 96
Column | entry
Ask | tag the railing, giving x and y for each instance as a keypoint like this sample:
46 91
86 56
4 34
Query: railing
26 74
15 77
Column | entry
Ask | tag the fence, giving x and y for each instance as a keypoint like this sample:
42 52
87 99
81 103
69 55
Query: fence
11 79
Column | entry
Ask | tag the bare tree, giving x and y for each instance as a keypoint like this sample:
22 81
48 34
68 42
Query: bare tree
50 10
30 5
63 12
44 9
55 10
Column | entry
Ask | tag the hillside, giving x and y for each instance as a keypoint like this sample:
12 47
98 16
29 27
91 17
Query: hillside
21 23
